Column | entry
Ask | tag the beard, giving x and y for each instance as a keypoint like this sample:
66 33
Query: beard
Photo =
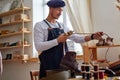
55 17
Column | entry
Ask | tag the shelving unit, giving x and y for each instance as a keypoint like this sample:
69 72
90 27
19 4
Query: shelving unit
22 33
15 33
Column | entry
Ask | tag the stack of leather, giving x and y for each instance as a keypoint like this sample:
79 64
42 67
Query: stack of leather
115 66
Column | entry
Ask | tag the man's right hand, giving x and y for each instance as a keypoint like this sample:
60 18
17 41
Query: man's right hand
62 38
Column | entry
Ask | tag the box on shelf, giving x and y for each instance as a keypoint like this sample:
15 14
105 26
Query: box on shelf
4 32
23 29
18 17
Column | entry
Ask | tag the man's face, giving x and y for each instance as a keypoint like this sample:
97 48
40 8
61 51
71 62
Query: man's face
56 12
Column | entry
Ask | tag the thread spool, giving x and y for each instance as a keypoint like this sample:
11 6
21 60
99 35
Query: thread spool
82 67
96 67
87 68
83 75
101 74
96 75
88 75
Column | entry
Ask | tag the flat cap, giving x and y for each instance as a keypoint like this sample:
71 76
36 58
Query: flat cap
56 3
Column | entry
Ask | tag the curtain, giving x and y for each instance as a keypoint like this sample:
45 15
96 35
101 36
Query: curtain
79 15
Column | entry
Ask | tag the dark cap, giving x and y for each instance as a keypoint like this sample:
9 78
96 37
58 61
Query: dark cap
56 3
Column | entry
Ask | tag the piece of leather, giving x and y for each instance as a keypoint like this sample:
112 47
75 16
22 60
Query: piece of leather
57 75
69 61
109 72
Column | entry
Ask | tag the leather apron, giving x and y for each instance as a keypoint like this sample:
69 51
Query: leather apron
50 59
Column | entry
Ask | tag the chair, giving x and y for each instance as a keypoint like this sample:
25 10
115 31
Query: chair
34 74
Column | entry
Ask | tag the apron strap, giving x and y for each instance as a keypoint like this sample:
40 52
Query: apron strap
49 24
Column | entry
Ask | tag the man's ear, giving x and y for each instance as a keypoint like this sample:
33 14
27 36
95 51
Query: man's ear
50 9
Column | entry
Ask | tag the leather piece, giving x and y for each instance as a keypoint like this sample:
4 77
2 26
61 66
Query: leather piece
69 61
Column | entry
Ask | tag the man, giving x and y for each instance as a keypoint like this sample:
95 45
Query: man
50 39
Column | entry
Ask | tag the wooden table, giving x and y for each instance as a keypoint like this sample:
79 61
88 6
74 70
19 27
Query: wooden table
88 50
108 78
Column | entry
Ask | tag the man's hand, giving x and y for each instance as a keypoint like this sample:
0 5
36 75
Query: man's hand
97 35
62 38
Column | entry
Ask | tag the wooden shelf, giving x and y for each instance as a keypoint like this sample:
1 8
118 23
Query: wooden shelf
15 33
11 60
10 47
90 47
14 23
20 60
11 12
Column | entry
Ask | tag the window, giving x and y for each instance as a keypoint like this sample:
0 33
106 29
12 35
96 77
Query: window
71 44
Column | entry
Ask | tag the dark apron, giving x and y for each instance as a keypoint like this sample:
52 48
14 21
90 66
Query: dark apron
50 59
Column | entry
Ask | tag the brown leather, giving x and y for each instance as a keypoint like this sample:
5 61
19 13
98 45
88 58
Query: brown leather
69 61
57 75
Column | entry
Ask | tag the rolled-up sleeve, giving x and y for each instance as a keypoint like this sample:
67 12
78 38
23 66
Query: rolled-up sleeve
77 38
